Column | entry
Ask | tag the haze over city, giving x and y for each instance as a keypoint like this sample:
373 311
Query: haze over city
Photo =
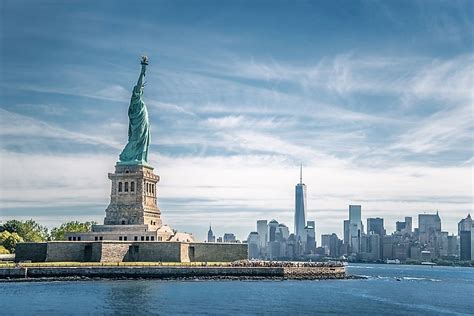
374 99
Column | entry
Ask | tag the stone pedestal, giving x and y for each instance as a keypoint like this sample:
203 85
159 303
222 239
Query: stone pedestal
133 198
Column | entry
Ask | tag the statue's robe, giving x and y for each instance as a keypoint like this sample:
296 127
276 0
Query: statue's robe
136 150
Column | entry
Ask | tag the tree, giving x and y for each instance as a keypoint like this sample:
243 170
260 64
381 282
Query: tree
9 240
59 233
28 230
4 251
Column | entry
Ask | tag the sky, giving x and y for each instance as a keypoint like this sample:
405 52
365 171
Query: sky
373 98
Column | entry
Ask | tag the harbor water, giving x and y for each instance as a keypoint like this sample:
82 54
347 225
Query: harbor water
387 290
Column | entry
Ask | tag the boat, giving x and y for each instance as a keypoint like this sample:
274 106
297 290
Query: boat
428 263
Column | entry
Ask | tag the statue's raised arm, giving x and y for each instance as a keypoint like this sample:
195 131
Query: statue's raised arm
144 63
136 150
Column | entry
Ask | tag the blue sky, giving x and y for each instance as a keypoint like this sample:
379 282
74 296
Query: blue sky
372 97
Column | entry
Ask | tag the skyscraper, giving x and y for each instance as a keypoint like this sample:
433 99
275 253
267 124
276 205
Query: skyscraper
262 229
375 225
465 233
429 227
272 230
332 243
229 237
408 225
355 227
284 231
253 241
300 207
309 240
404 227
400 226
210 235
346 232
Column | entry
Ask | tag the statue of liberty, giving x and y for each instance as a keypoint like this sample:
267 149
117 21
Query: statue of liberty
136 150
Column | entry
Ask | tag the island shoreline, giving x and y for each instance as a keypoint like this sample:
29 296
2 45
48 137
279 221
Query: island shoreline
176 273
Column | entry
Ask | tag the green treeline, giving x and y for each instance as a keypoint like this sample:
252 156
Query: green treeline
15 231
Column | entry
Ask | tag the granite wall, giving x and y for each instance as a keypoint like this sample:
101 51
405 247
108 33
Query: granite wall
63 251
112 251
175 272
217 252
31 251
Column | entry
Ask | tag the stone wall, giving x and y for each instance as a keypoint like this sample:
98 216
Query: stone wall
162 251
217 252
144 252
114 251
31 251
126 251
314 272
64 251
175 272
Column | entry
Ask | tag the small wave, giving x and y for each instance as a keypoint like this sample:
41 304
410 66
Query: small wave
359 267
420 279
413 278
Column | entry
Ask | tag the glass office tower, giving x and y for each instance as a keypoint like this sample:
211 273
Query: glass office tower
300 207
355 227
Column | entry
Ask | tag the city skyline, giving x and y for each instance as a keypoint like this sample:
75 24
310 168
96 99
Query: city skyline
380 115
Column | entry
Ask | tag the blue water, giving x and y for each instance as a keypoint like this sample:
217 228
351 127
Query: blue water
389 290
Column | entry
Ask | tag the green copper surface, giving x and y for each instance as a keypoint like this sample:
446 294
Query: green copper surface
136 150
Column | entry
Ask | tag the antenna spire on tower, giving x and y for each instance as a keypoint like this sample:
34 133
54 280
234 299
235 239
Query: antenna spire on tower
301 173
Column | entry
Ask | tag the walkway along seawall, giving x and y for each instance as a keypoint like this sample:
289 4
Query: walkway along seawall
167 272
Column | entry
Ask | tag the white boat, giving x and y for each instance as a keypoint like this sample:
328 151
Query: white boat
428 263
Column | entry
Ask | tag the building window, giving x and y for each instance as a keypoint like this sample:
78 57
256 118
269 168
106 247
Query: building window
123 222
69 238
126 187
142 238
101 238
73 238
132 186
135 238
147 238
125 238
96 238
120 186
120 237
78 238
152 238
160 238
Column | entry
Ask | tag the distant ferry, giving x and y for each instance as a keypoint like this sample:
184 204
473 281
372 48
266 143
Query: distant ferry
390 261
428 263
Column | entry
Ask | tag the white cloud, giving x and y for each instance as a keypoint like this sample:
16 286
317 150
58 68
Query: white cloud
451 80
13 124
246 122
349 73
113 92
440 132
168 107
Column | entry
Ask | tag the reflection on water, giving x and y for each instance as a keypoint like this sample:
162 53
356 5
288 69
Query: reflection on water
129 296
